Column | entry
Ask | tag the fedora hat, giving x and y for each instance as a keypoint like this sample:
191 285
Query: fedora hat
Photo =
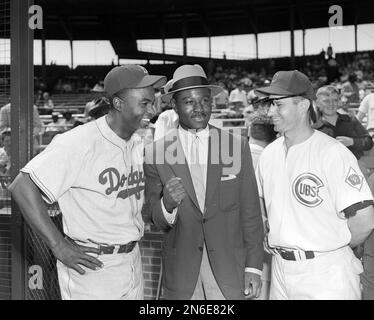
188 77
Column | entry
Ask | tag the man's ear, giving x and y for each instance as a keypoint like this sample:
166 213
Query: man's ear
117 104
304 105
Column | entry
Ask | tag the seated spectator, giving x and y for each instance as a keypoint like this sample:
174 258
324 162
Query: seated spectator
97 104
350 89
260 132
68 121
235 108
5 152
48 103
5 119
55 125
240 93
367 109
97 108
221 100
345 128
67 87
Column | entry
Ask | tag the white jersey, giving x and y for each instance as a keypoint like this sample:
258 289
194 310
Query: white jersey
305 191
98 181
367 107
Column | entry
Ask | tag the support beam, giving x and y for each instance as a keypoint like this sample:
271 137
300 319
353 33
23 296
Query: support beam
162 33
71 54
300 13
252 22
357 15
292 26
256 39
210 46
22 94
163 49
69 34
303 42
44 68
205 24
184 35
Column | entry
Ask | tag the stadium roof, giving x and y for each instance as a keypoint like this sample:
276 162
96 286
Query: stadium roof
124 21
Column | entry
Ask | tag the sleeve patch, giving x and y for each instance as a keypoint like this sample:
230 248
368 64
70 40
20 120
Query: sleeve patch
354 180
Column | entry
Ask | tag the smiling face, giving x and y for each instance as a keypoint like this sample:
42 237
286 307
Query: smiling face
285 114
328 104
193 107
132 104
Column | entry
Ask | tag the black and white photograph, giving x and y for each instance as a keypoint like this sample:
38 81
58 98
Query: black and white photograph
159 151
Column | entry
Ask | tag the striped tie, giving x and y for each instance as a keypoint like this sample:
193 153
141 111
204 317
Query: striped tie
197 172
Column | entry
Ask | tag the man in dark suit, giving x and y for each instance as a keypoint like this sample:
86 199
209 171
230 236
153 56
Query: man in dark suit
205 201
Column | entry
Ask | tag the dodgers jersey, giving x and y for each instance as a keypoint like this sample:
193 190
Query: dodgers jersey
305 191
97 179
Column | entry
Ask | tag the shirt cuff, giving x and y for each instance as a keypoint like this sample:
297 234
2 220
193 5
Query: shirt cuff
170 217
254 270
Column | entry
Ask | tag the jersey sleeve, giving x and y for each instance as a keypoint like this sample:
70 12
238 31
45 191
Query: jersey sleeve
346 183
56 169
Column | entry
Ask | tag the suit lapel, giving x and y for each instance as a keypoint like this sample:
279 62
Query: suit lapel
214 163
181 170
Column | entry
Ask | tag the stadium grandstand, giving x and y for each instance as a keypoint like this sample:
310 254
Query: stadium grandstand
63 94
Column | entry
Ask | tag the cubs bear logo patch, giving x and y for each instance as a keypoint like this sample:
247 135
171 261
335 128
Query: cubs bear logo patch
354 180
305 189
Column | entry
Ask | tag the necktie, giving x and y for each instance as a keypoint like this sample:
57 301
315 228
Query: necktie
197 173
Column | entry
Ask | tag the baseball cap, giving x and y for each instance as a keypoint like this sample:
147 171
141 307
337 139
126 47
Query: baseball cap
289 83
130 77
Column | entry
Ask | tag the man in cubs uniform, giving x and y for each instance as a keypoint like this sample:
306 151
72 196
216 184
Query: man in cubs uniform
95 174
317 201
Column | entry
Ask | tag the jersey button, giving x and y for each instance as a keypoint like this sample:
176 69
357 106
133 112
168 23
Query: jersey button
204 220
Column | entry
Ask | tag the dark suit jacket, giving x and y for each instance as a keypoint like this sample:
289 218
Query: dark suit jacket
231 225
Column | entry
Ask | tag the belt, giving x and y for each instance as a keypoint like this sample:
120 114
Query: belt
295 255
122 248
111 249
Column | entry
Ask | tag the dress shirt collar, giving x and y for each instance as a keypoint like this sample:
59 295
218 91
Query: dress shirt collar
188 134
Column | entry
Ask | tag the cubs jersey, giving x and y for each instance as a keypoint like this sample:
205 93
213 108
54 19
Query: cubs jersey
98 181
306 189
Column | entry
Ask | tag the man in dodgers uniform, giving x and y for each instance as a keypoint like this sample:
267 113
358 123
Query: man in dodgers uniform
317 201
95 174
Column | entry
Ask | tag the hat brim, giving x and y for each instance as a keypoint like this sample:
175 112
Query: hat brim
214 91
151 81
273 90
277 91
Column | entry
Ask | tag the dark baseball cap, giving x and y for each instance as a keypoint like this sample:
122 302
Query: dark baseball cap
289 83
130 76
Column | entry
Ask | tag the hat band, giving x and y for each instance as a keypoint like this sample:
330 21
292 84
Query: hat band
189 82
